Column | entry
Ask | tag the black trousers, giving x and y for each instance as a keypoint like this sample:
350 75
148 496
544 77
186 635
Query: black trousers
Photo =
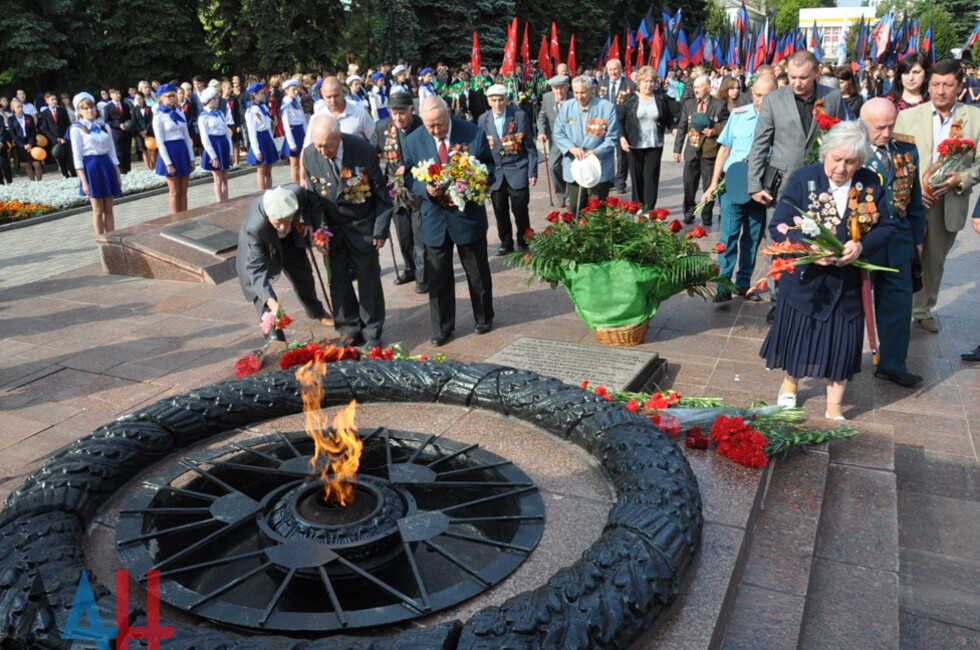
296 267
124 150
362 312
622 168
579 194
442 283
645 175
506 200
408 226
697 169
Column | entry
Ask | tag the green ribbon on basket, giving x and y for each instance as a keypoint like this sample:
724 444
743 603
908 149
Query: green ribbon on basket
616 294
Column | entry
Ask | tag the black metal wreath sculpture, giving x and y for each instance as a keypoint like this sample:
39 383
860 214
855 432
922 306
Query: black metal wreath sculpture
606 599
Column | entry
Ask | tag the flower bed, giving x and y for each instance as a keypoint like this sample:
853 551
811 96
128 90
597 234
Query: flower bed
62 194
11 211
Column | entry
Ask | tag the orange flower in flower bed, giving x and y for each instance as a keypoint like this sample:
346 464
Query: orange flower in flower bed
16 211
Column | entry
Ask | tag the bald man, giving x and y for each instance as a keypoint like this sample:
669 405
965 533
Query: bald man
896 161
702 119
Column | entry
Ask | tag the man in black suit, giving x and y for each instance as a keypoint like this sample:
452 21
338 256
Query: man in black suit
615 87
515 156
390 134
270 243
343 171
117 113
702 119
54 124
444 225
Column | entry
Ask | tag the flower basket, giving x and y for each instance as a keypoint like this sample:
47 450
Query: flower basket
622 336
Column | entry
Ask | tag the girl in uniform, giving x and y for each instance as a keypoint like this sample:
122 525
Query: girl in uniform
23 130
261 147
216 140
96 164
379 100
294 127
175 148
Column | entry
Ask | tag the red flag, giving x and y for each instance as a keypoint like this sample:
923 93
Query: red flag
572 68
639 52
525 54
544 61
475 55
555 54
510 51
628 63
656 47
613 49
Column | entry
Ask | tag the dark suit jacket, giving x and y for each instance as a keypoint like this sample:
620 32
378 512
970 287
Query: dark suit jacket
260 251
439 221
360 222
25 136
629 124
114 118
517 168
910 218
626 87
381 137
54 125
717 111
818 290
144 119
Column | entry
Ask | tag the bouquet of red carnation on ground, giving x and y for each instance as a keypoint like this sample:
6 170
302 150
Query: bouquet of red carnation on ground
462 176
824 124
952 152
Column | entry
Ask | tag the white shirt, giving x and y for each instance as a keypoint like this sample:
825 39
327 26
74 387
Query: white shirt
940 129
449 134
647 115
292 115
840 194
212 124
92 143
29 109
354 120
256 121
165 130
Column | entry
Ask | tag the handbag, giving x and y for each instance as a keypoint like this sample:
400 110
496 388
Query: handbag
916 271
772 179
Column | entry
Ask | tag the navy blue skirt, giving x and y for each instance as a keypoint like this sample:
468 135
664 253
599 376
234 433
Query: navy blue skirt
299 134
180 158
223 151
806 347
267 147
102 178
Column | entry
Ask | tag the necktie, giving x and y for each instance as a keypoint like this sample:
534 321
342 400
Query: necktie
886 163
119 108
612 88
701 106
443 152
336 166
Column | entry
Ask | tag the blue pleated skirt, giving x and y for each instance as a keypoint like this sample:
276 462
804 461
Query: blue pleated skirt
223 150
266 146
807 347
299 134
102 178
180 158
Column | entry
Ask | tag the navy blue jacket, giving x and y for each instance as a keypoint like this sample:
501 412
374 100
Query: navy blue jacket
516 168
438 221
817 290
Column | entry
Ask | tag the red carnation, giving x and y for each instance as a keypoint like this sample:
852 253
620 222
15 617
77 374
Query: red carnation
697 233
553 217
826 122
720 248
581 222
247 366
696 440
612 201
584 384
632 206
529 233
592 204
434 170
567 217
633 406
675 226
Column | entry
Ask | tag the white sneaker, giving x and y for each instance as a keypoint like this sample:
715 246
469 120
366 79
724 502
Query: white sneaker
839 418
786 400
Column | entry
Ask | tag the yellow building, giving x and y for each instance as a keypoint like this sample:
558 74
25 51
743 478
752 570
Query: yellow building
834 22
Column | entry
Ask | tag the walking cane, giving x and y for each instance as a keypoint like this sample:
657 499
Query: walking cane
869 314
394 260
547 174
323 287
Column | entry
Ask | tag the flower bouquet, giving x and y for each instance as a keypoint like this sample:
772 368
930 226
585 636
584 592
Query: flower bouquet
952 152
618 264
278 321
824 124
718 191
463 177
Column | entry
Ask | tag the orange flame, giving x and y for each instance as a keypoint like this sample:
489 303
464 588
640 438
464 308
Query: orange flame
338 445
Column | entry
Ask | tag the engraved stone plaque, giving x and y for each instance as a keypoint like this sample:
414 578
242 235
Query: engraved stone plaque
205 237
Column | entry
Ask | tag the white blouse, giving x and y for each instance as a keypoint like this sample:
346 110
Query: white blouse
165 130
97 142
292 115
255 121
212 123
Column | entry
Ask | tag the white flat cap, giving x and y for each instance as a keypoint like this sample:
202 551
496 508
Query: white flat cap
279 204
498 89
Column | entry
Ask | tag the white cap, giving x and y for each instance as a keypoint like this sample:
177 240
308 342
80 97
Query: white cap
587 171
398 70
208 94
279 204
352 78
81 97
498 89
289 83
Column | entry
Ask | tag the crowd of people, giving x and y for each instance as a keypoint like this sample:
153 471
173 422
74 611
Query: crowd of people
753 144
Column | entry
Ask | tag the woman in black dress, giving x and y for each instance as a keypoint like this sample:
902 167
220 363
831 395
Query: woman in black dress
818 327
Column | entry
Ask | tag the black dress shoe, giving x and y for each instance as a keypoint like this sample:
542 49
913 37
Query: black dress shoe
404 278
972 356
722 296
771 316
751 297
688 220
440 340
522 246
504 250
353 340
906 379
421 287
707 222
483 328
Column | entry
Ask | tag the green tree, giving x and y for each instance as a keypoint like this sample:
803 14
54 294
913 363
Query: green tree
943 29
446 29
37 49
715 17
788 14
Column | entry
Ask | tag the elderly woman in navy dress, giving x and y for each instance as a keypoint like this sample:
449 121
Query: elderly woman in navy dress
96 164
175 148
818 328
212 124
261 147
294 127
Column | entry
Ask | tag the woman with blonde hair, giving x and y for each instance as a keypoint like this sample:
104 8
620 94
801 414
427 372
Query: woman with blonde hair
94 156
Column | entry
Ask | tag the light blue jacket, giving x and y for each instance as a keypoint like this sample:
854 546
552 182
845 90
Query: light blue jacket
596 128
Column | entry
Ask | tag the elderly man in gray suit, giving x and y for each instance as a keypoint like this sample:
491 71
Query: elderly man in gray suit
550 103
271 242
786 127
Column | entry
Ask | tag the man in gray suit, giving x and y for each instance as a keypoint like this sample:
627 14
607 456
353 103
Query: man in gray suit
272 242
343 170
786 127
515 155
546 122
